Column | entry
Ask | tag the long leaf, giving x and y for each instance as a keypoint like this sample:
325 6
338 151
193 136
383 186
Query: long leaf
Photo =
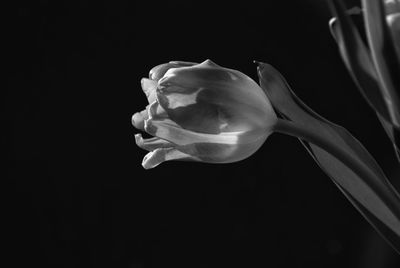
362 69
384 55
377 200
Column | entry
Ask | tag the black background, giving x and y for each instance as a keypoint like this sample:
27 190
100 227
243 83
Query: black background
79 196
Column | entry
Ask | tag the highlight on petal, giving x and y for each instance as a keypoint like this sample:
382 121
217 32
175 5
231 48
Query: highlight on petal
226 147
179 63
160 155
152 143
176 100
159 71
149 88
226 153
139 118
169 130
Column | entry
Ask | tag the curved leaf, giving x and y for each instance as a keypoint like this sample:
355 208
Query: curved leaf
384 55
362 69
376 199
358 61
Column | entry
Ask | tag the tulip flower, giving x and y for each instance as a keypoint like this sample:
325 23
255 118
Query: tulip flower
202 112
208 113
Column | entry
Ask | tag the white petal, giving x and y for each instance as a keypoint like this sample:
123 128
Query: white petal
156 111
152 143
160 155
138 119
149 88
176 100
169 130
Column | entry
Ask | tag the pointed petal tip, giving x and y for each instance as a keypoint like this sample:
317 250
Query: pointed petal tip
259 65
209 62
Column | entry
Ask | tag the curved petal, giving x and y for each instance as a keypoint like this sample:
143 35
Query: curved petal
183 63
158 72
160 155
222 148
149 88
225 153
207 98
169 130
139 118
225 147
156 111
152 143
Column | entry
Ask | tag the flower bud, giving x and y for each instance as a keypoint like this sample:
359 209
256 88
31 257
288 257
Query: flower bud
202 112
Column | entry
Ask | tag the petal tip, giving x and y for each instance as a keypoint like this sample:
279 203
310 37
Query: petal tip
210 63
150 161
138 139
137 121
156 157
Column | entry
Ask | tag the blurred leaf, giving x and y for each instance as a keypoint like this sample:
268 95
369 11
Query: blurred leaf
384 55
394 135
392 8
376 199
361 67
358 61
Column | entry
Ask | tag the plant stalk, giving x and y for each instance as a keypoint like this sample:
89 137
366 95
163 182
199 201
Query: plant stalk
381 187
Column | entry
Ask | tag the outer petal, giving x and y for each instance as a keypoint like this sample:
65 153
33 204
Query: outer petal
169 130
226 153
149 88
225 147
157 72
160 155
139 118
152 143
222 148
207 98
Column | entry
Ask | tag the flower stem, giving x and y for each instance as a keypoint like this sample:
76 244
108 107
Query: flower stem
377 182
